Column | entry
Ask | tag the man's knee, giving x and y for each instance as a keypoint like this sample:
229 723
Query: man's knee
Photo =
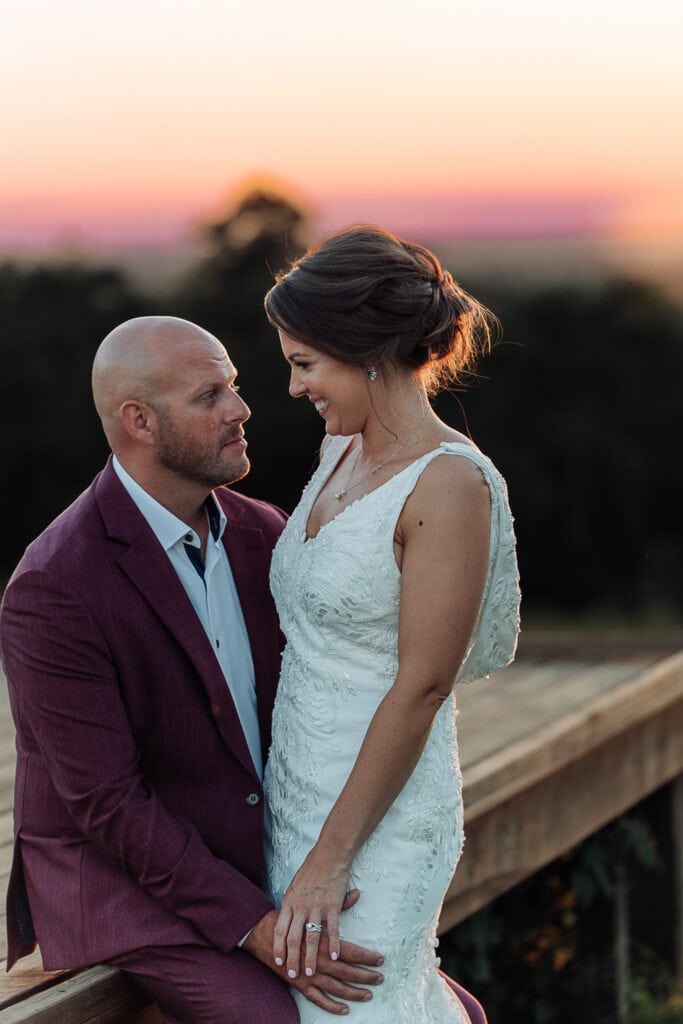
200 985
197 1007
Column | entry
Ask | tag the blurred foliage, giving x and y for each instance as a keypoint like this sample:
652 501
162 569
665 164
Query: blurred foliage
543 953
579 405
582 411
52 319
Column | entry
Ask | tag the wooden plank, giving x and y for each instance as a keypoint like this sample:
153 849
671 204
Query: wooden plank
7 829
493 780
26 978
100 995
7 753
583 773
503 709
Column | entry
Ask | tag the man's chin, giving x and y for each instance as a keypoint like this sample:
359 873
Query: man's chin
236 472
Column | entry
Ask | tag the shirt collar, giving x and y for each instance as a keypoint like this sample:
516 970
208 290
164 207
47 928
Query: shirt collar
167 527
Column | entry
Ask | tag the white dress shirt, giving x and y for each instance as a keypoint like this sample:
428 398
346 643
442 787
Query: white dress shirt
214 598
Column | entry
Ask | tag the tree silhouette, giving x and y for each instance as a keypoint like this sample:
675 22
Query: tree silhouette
579 406
260 235
51 442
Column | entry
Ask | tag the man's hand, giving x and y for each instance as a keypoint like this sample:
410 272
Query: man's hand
339 978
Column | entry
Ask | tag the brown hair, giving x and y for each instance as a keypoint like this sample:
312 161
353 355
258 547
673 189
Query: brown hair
366 297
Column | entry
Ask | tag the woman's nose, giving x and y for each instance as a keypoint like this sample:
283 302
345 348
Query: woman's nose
296 387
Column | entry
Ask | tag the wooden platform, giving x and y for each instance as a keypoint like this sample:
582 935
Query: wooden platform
554 749
574 733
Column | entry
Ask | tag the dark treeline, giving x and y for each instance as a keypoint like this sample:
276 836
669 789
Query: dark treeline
579 404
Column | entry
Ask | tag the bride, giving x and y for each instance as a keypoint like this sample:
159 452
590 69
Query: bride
394 578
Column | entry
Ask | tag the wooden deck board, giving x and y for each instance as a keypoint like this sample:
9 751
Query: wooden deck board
551 748
550 786
29 974
505 708
98 996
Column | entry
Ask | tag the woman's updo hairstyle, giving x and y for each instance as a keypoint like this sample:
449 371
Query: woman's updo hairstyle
366 297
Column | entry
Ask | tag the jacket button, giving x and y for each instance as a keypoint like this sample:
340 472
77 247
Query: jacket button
253 799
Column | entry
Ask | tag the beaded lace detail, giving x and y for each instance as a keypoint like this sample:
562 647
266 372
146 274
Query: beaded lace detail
338 597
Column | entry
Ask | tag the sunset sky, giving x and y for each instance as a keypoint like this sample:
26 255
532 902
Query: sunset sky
128 122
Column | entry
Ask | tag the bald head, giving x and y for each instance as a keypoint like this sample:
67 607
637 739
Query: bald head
137 362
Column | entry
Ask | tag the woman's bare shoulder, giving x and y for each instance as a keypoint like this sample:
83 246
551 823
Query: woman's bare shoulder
450 493
455 472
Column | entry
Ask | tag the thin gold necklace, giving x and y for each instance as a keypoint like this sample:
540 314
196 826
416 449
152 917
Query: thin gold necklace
350 487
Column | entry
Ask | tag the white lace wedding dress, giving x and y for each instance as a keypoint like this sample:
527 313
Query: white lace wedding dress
338 596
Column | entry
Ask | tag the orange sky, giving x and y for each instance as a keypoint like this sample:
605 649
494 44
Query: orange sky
136 120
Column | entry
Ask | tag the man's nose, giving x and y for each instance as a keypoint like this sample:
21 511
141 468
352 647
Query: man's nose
237 409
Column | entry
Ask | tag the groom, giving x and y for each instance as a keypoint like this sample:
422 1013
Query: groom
141 649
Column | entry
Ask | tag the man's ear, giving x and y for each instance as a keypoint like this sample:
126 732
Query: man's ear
139 421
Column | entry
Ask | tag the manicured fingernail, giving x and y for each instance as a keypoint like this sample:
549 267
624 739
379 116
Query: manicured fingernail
309 972
334 956
380 980
291 973
345 1010
380 961
279 961
368 995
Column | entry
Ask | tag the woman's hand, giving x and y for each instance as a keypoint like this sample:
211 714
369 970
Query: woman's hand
316 896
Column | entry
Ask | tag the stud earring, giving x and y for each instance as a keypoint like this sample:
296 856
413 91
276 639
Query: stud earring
372 373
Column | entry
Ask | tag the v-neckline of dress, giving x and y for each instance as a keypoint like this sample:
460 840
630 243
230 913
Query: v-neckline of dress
308 539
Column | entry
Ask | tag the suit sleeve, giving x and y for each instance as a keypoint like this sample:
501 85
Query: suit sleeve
66 693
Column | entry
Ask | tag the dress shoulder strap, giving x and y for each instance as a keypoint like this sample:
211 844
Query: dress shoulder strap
408 479
469 451
494 637
333 447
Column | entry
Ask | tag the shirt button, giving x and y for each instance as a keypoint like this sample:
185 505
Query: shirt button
218 643
253 799
189 538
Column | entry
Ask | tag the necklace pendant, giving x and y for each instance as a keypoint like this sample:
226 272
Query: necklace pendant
340 494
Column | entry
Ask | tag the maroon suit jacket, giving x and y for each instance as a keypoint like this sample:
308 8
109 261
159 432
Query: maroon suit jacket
138 815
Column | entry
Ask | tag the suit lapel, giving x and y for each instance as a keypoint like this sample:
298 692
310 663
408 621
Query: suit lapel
147 566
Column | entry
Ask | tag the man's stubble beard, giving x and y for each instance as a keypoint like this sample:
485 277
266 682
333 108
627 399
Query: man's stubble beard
200 464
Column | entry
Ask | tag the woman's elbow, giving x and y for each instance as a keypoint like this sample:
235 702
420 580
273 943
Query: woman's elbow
434 692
